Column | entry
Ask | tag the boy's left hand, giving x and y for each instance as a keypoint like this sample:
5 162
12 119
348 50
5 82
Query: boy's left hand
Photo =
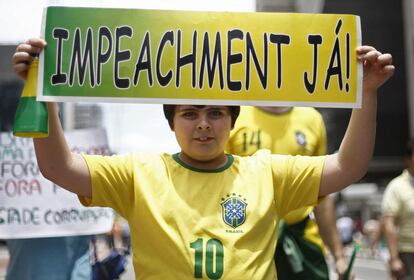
378 67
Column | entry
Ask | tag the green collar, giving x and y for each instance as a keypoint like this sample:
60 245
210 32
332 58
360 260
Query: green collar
229 162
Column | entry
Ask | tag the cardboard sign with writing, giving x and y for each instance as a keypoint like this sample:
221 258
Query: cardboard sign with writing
183 57
31 206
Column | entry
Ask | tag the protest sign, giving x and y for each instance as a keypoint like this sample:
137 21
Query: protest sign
31 206
182 57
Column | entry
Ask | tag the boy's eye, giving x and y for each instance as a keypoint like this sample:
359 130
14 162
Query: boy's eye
216 113
189 114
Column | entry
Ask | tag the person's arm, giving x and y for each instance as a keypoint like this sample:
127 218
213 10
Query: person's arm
390 231
325 217
351 162
56 162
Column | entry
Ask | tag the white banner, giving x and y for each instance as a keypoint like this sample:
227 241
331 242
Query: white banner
31 206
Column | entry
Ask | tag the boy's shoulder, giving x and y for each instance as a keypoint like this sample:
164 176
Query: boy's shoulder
262 156
141 159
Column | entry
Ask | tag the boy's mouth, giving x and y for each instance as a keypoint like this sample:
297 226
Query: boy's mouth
203 138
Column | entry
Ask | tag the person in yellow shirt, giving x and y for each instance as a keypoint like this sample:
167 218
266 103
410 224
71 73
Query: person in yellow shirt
398 220
294 131
202 213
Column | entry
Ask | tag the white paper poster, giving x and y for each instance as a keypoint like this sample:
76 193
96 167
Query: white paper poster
31 206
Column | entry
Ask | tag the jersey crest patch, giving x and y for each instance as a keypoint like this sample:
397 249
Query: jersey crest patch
233 210
300 138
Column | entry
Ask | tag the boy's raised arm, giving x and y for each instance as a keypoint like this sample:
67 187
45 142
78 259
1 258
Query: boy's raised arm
56 162
351 162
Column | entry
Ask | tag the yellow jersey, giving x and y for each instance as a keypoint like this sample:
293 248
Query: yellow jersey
299 131
188 223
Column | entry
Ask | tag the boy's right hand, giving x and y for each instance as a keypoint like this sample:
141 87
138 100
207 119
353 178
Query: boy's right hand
24 55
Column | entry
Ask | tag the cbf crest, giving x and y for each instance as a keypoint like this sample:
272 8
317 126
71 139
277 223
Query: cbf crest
233 210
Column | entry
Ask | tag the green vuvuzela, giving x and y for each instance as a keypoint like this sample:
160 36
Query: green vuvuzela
31 118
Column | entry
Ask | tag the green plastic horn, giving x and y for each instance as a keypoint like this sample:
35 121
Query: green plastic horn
31 119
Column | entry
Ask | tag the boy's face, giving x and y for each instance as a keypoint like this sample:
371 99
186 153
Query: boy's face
202 131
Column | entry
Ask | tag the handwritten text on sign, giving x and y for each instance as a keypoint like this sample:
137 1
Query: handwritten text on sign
128 55
31 206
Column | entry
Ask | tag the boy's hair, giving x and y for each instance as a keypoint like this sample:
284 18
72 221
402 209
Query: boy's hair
169 111
409 148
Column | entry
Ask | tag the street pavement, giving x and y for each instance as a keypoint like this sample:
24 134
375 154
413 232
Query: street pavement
366 267
371 269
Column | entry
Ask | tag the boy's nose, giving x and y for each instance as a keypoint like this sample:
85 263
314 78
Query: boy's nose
203 124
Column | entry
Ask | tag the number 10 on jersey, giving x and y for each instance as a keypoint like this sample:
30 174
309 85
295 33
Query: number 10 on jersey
213 258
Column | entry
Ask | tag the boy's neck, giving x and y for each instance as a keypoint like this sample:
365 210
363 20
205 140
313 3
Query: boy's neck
275 110
214 163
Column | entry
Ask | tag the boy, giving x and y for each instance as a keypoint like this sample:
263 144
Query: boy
203 213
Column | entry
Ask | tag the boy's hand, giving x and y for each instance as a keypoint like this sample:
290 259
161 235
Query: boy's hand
378 67
24 54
